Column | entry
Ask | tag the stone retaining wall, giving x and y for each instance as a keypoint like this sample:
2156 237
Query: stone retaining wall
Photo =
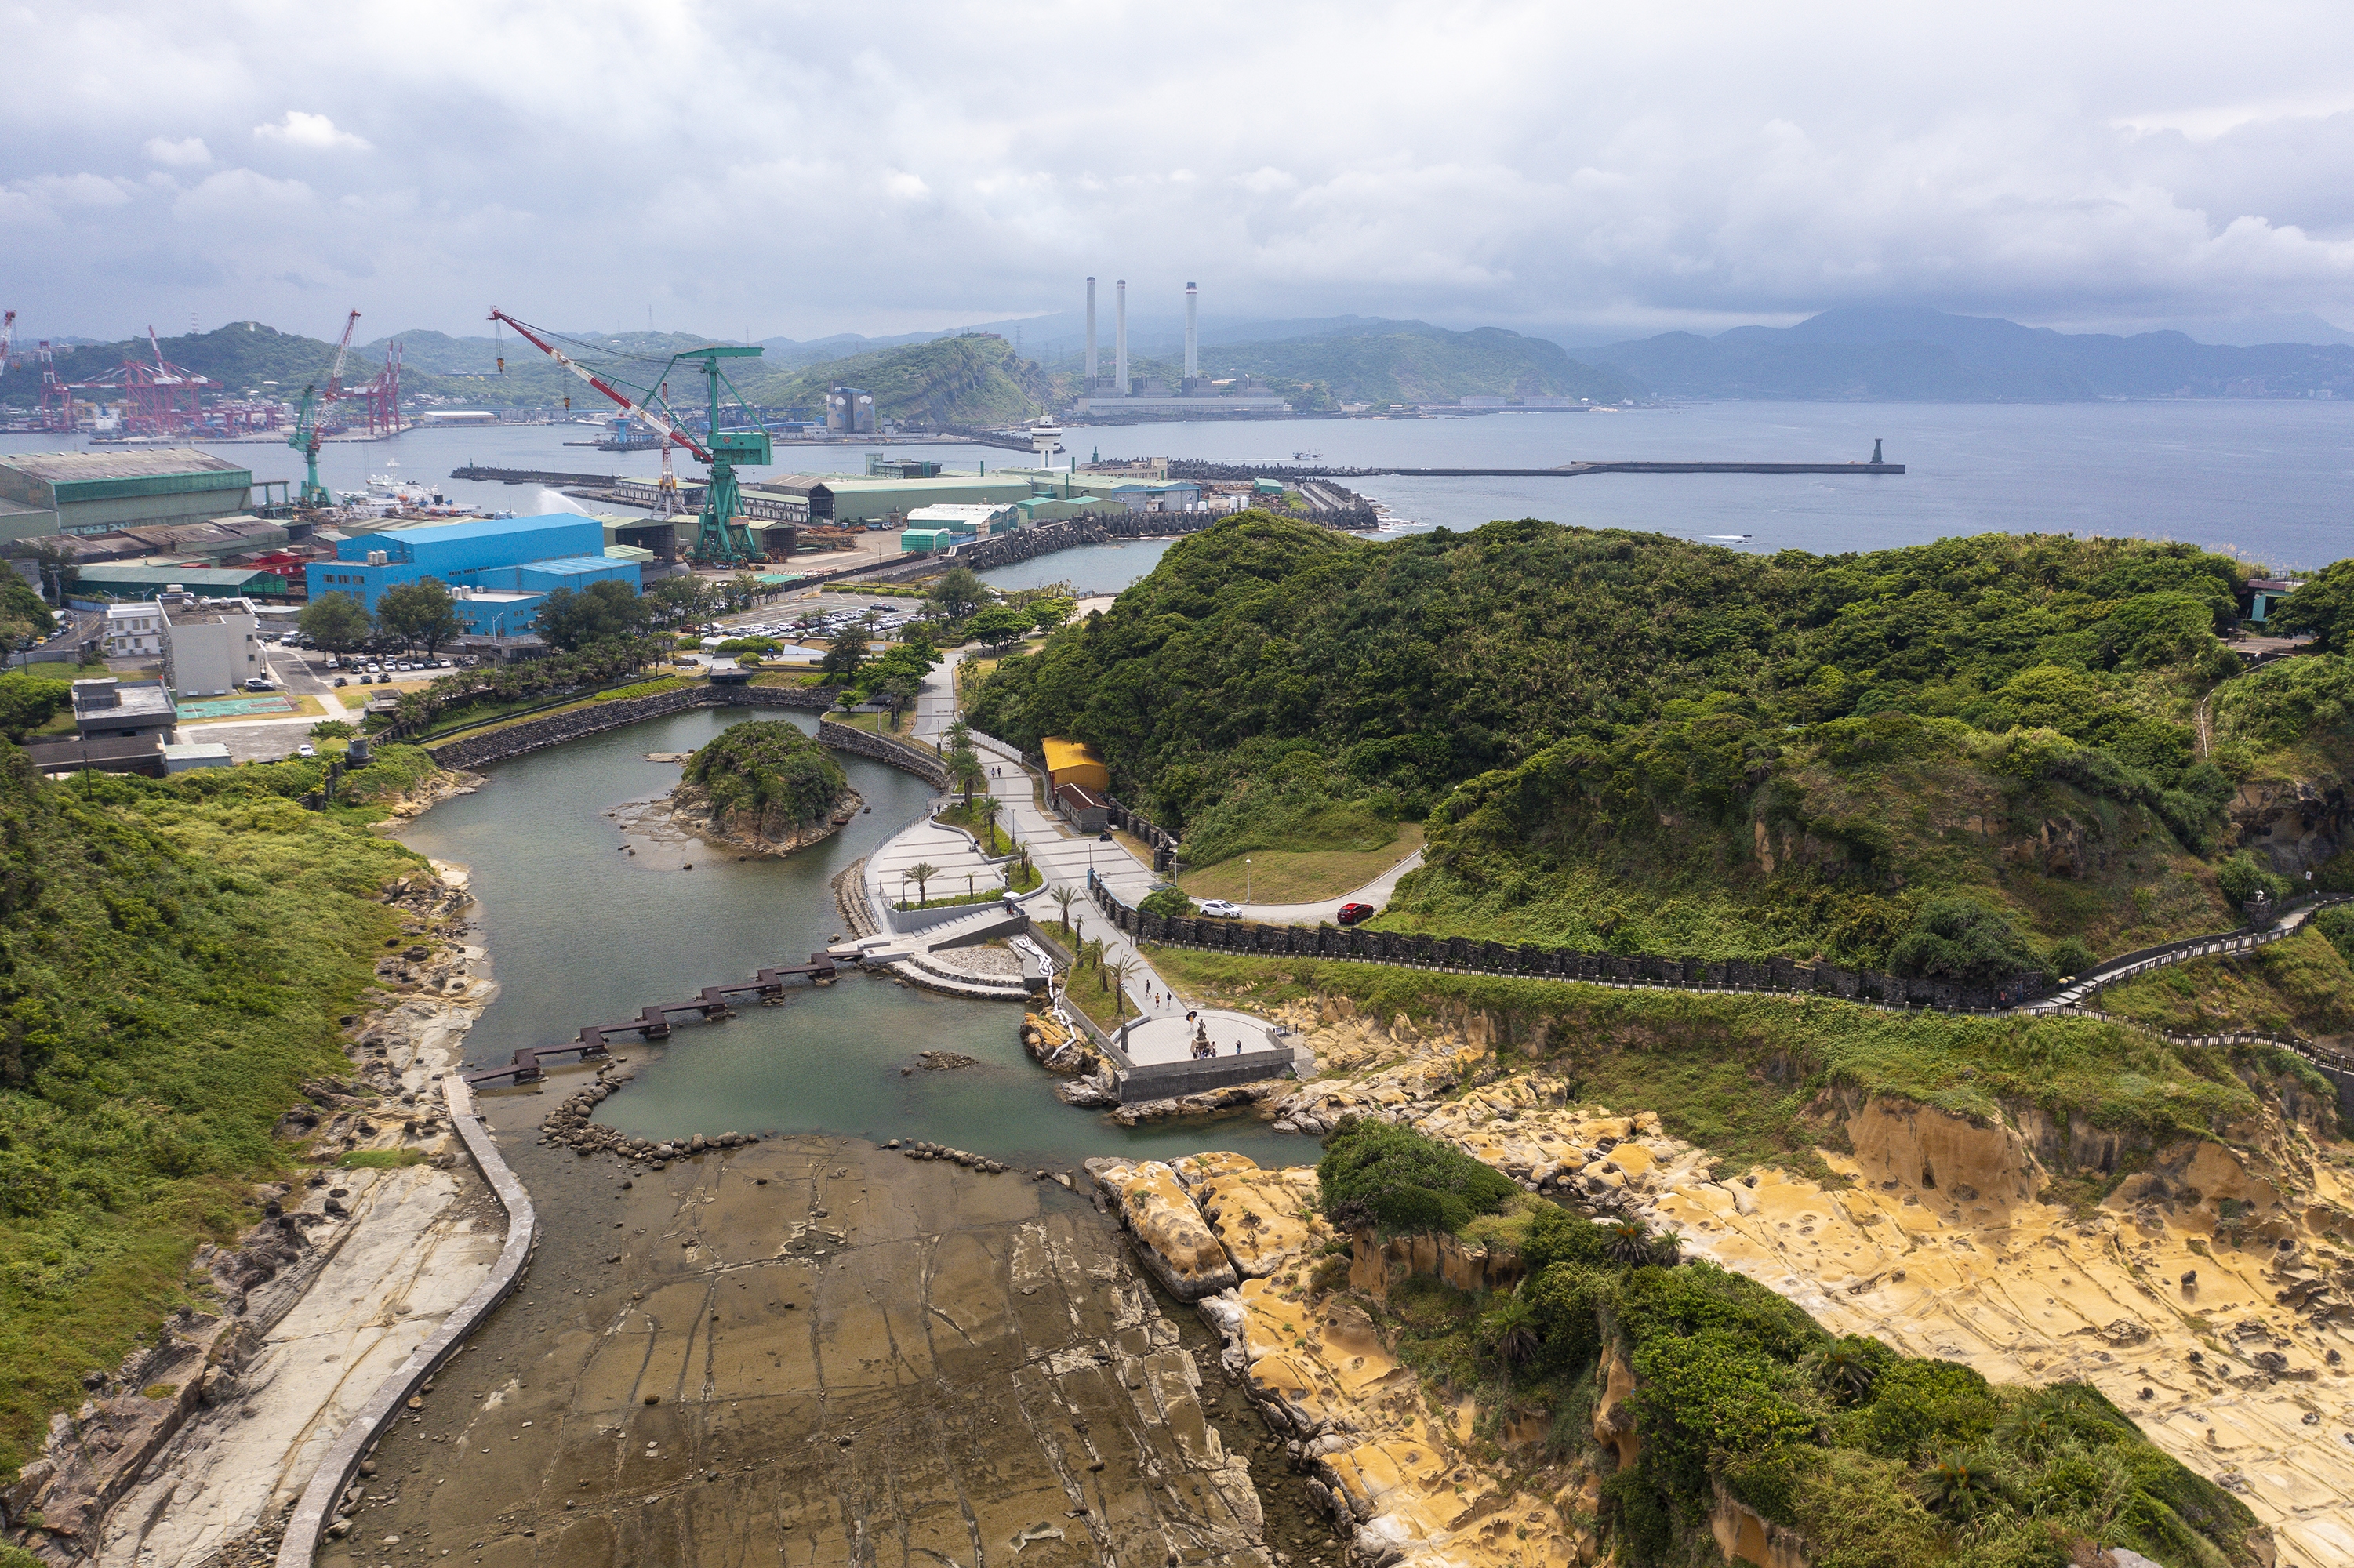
473 751
906 756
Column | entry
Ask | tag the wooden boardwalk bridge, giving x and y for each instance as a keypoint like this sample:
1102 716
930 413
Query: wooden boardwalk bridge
711 1004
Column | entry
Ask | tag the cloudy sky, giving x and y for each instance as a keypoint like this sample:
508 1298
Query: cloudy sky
1575 169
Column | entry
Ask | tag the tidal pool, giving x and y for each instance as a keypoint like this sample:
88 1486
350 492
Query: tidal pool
579 931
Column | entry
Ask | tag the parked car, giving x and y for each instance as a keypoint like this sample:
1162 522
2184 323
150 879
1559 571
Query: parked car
1222 906
1353 914
306 749
341 681
256 684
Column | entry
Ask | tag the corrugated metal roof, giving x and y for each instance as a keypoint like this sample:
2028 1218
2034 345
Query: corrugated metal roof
105 572
121 463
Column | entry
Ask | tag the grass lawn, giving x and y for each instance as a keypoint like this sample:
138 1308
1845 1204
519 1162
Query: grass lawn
1299 876
880 724
1087 988
967 817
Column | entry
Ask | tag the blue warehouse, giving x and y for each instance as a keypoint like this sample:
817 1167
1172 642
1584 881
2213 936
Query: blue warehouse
499 568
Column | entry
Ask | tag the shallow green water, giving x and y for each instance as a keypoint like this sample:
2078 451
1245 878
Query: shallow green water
578 933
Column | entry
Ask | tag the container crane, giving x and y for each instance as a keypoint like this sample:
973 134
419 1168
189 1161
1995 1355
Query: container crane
721 539
304 438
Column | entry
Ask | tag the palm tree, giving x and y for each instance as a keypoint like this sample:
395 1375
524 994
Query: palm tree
1118 973
1064 895
964 767
1511 1331
1850 1368
1628 1242
923 871
987 809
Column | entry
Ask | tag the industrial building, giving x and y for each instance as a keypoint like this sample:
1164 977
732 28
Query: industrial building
500 569
95 585
850 410
45 494
1075 762
967 517
1120 394
211 646
849 501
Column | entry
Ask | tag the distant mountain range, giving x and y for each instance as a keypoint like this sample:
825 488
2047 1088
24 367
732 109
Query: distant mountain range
1866 353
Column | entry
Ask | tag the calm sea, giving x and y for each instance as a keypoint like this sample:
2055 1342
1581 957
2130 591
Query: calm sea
2273 481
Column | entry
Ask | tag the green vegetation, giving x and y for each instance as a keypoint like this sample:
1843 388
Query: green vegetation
23 613
1629 742
27 702
174 961
1761 1079
1881 1460
771 771
2301 986
379 1160
974 380
643 689
1377 1175
1018 879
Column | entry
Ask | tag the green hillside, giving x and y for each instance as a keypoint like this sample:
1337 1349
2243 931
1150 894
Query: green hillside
1633 742
244 356
974 380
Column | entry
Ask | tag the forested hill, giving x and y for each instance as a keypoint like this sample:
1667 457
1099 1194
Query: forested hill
1634 742
976 380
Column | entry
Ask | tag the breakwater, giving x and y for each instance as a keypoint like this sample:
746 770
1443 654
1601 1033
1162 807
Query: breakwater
1200 469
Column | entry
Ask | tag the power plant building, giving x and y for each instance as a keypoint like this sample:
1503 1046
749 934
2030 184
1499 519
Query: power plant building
1195 394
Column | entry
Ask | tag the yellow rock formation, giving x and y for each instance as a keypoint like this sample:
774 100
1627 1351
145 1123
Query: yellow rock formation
1171 1236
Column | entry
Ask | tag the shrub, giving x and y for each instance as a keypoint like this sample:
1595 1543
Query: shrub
1920 1406
1169 903
1963 940
1404 1181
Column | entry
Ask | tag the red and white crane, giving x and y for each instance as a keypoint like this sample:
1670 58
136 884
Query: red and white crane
335 374
630 408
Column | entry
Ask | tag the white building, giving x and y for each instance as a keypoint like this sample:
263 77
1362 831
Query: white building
211 646
133 630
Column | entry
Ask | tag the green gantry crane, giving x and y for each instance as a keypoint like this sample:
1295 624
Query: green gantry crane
721 539
304 438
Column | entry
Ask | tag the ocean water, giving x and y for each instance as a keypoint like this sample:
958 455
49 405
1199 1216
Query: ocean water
2272 481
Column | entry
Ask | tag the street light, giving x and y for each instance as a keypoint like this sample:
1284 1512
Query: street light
1245 882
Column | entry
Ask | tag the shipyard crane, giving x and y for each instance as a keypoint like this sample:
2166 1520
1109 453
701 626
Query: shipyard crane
304 438
721 539
335 372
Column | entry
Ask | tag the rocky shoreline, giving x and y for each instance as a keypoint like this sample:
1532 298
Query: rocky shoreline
195 1445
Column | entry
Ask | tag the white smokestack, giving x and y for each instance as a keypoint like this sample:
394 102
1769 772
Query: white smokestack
1119 336
1091 334
1192 334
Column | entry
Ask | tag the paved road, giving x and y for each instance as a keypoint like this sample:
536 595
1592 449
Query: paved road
1375 893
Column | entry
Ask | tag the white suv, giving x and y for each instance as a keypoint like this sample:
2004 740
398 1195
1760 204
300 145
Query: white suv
1222 906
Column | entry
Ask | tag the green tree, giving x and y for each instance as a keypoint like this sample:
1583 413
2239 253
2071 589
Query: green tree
964 770
337 621
603 612
419 614
923 871
22 613
959 593
846 654
2323 606
1962 939
999 625
27 702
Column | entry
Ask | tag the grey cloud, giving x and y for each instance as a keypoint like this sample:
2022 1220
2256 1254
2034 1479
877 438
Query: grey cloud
1527 164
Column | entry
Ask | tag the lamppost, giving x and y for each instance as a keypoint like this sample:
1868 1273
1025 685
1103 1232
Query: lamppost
1245 882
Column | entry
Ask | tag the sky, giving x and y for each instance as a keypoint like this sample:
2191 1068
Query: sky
1577 170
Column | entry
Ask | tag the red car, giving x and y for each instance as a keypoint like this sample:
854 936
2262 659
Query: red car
1351 914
